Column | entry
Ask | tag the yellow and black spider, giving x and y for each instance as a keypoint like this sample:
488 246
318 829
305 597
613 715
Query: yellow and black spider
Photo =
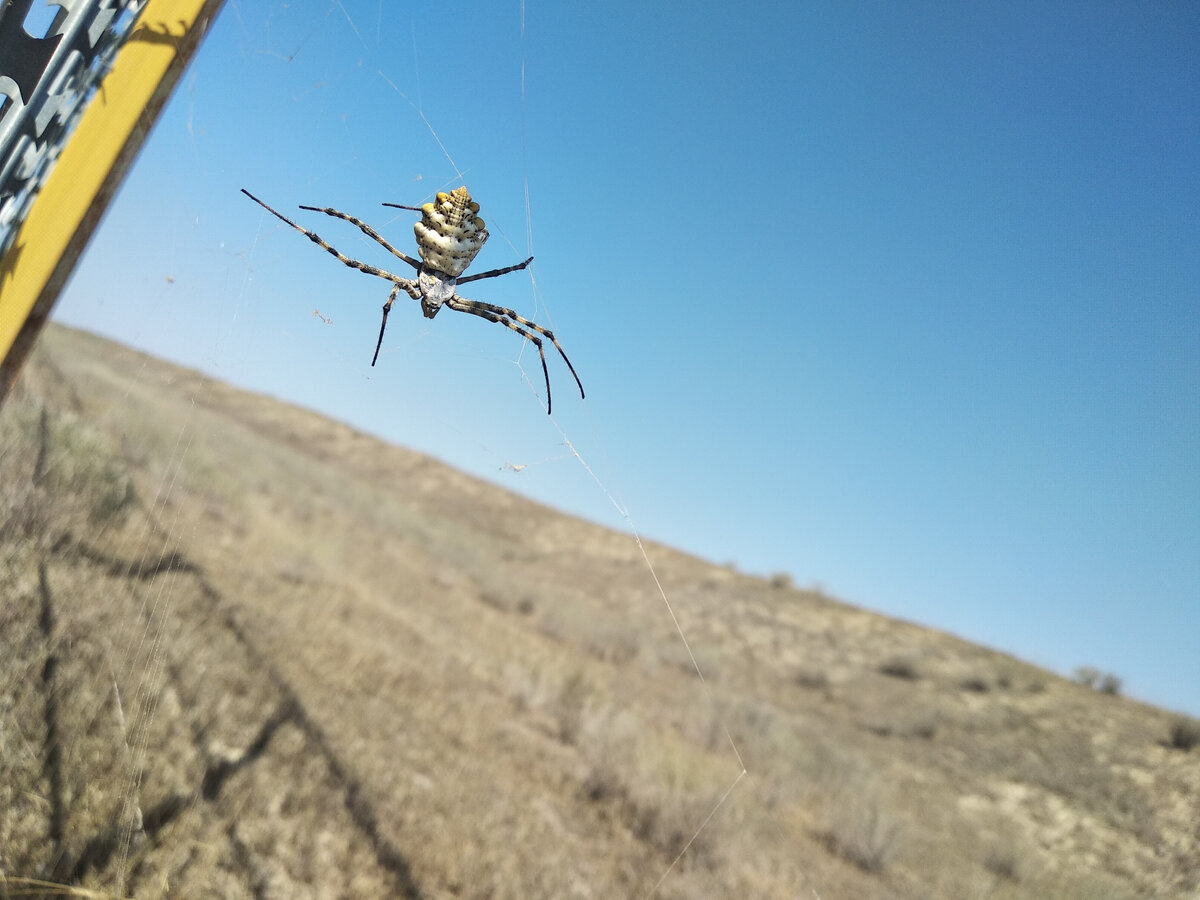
449 236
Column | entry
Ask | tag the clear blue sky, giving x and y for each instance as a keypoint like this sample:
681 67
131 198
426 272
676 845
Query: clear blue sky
902 299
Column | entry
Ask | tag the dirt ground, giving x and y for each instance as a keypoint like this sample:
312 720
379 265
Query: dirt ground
246 651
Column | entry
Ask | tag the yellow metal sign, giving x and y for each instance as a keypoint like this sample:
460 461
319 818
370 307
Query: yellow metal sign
91 167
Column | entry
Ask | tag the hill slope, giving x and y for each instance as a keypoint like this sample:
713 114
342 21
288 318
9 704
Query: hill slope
249 652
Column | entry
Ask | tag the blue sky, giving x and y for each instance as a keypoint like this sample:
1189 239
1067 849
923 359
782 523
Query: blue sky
901 299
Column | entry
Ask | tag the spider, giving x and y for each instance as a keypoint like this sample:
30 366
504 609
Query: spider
449 236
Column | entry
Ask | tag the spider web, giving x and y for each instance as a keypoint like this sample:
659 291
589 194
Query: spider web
154 486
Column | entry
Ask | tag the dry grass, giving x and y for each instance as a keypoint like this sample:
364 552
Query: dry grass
861 831
281 659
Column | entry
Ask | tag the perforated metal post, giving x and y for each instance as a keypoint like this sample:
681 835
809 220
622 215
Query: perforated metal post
108 66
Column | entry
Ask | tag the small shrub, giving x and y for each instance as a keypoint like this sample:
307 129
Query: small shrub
813 679
86 467
925 727
495 600
615 642
1184 733
603 783
553 626
1004 860
862 834
976 684
1105 682
782 581
571 706
900 667
677 823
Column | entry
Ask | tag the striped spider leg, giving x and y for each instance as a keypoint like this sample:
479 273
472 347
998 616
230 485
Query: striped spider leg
449 236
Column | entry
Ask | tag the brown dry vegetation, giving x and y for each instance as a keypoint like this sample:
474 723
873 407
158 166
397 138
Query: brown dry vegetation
249 652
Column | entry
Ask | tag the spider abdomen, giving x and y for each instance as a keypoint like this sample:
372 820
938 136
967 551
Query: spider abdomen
450 234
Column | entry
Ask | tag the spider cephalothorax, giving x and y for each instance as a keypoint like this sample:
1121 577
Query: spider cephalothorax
449 236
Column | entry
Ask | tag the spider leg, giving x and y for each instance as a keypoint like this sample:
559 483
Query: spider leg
387 308
507 313
494 272
497 315
345 260
510 319
367 230
409 286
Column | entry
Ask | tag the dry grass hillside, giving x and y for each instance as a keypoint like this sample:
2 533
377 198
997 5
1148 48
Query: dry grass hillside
249 652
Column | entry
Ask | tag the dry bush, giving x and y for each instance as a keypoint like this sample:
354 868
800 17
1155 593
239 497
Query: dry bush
1005 860
62 477
81 464
881 727
976 684
570 707
661 789
860 831
496 600
676 822
1183 733
813 679
900 667
613 642
506 600
846 795
603 782
685 659
527 685
923 725
782 581
1105 682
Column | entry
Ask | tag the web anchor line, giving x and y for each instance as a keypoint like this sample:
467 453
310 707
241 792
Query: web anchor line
662 593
